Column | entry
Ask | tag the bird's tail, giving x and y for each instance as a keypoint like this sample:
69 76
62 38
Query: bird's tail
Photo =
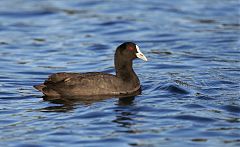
39 87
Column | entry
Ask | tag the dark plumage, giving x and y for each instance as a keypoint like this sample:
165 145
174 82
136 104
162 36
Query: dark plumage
97 83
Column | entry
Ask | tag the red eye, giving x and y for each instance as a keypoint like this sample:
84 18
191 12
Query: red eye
130 48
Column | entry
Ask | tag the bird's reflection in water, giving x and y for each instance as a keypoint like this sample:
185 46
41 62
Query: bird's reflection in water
126 101
125 116
65 104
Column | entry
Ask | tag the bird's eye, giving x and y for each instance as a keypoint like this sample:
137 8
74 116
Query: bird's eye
130 48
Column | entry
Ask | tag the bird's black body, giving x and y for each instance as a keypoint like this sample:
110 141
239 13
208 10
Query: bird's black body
97 83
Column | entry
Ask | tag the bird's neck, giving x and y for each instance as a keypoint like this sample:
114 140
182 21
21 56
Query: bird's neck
124 70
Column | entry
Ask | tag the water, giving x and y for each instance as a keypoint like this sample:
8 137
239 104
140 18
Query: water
190 84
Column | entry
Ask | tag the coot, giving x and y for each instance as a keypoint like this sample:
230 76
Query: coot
97 83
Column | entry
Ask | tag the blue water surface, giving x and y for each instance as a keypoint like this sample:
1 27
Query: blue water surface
191 84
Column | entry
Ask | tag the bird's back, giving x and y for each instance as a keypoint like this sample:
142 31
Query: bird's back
84 84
